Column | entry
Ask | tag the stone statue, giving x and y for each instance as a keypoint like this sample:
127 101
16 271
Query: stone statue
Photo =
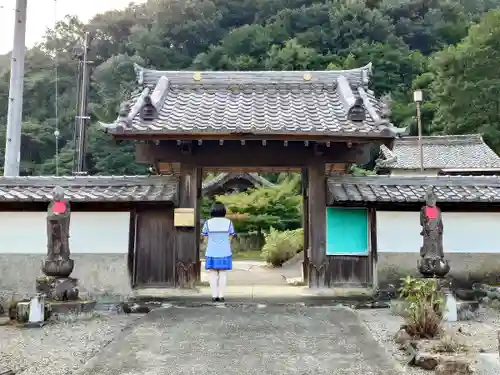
432 263
385 108
57 265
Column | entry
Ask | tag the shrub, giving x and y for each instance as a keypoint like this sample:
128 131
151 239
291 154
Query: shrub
281 246
425 307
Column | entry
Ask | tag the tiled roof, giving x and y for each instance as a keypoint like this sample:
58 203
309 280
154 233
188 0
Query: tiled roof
89 188
412 189
222 178
441 152
268 102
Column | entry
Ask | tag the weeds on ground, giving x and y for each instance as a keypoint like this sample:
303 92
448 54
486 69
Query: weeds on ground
424 313
450 343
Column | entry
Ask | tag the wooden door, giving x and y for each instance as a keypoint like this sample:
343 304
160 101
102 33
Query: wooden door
154 255
348 247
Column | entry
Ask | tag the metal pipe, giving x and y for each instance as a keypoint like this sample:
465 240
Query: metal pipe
76 125
420 144
15 108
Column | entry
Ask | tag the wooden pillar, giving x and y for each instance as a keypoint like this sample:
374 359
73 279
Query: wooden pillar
187 241
305 224
199 180
131 247
372 223
317 224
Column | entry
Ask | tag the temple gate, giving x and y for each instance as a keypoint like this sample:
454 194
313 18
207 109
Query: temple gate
316 123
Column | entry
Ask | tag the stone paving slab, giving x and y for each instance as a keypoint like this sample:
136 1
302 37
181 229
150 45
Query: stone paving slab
256 294
245 340
253 290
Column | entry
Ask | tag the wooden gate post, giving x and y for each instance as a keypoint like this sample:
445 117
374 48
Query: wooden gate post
305 224
187 241
317 223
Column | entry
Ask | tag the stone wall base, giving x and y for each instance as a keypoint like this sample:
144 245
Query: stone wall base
105 276
101 276
466 268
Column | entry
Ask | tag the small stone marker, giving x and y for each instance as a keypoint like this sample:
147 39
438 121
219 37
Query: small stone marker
36 310
450 314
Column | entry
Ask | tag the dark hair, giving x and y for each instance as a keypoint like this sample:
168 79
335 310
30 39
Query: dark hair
218 210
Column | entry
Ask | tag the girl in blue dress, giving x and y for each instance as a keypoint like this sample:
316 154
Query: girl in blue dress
218 232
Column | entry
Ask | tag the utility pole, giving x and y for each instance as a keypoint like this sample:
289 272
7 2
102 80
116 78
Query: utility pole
15 109
418 98
82 116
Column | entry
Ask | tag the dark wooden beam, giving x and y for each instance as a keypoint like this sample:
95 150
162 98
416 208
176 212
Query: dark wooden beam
354 138
252 154
373 256
131 247
305 223
197 229
317 224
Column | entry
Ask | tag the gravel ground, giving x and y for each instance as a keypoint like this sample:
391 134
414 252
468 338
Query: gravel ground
61 346
383 325
480 334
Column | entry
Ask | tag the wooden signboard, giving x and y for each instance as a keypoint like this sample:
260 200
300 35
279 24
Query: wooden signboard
184 217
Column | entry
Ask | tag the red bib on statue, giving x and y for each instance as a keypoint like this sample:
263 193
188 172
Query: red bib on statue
59 207
431 212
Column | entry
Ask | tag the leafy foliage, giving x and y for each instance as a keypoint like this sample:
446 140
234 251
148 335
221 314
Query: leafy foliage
466 86
282 246
425 307
278 207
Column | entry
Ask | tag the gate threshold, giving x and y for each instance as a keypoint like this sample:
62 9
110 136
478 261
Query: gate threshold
257 294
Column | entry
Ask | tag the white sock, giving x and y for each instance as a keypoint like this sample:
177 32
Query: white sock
222 283
214 280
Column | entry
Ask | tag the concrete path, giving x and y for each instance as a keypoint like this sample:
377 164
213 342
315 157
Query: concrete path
255 273
244 340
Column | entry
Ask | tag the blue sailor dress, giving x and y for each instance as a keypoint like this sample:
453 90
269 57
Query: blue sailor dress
218 255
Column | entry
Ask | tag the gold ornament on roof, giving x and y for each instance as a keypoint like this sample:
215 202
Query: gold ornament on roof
197 76
307 76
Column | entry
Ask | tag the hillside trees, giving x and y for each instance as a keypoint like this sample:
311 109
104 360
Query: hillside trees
401 38
467 83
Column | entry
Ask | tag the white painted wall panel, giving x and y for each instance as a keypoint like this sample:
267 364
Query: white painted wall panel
464 232
90 232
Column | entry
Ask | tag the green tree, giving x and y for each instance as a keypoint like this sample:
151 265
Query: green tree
278 207
467 85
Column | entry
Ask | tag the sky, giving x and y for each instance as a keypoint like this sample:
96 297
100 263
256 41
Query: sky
41 15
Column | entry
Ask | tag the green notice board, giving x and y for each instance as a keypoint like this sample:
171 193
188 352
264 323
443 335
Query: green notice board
346 231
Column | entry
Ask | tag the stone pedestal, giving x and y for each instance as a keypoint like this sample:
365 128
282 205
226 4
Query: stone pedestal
58 267
433 267
57 288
